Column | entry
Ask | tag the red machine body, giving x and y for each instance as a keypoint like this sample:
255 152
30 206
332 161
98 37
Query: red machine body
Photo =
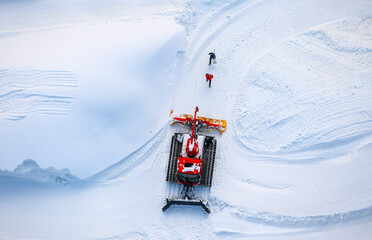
190 164
192 148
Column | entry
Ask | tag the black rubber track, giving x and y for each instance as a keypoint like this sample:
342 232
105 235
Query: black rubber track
175 152
209 153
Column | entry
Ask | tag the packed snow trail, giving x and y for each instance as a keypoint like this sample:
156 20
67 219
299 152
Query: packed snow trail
248 72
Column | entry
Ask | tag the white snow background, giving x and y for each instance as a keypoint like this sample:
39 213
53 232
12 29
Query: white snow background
87 86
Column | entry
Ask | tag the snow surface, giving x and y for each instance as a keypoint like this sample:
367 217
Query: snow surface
86 83
103 88
29 170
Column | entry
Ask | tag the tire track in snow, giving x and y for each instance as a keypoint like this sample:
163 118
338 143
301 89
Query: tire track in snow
223 20
304 135
235 76
200 43
121 168
138 235
27 92
329 135
327 114
289 221
165 189
217 24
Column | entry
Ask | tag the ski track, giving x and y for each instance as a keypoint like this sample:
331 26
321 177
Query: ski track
29 92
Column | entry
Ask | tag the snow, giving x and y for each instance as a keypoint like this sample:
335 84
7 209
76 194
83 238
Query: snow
88 86
191 146
105 96
29 170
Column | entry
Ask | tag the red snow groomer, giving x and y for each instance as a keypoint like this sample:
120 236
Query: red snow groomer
191 158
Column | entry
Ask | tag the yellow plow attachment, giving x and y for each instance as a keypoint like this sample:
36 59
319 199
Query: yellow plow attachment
188 119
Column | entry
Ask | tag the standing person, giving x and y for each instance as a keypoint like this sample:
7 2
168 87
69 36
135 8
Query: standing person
208 77
212 55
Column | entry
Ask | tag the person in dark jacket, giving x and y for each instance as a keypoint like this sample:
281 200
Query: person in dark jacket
212 55
208 77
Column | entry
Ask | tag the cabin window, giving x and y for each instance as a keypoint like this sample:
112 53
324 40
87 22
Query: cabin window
188 164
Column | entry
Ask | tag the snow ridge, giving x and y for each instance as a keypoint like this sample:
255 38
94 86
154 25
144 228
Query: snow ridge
29 169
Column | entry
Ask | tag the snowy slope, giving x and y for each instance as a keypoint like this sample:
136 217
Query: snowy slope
293 80
85 91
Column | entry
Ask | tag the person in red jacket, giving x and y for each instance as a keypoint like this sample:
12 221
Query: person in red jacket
208 77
